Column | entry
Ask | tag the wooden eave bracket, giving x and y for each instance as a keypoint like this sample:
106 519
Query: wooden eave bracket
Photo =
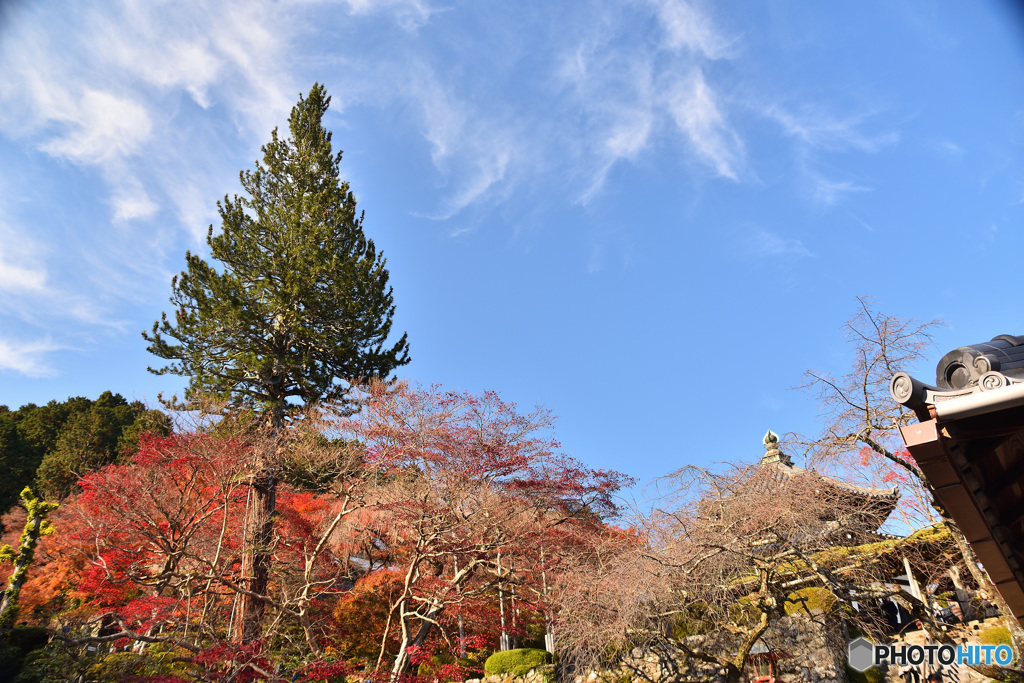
930 448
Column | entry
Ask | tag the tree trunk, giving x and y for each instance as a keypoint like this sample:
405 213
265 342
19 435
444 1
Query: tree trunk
9 604
259 530
307 631
256 557
401 666
36 526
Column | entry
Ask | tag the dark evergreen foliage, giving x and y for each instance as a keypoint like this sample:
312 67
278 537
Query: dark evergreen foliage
102 432
51 446
298 304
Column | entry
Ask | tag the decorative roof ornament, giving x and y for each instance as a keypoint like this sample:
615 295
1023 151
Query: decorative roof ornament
969 381
772 452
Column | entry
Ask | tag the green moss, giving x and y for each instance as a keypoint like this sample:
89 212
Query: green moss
692 621
516 662
157 660
923 539
995 635
811 598
872 675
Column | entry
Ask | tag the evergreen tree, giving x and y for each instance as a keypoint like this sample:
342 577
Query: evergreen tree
297 309
98 433
17 461
300 305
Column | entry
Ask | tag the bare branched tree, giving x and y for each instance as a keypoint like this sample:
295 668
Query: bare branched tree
719 560
465 480
861 433
860 437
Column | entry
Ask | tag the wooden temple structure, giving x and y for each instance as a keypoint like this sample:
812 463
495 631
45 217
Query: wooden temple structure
969 442
864 511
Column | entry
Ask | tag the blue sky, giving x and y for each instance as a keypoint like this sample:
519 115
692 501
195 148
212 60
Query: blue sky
649 216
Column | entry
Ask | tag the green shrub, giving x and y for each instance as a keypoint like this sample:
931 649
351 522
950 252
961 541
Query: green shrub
20 641
10 661
58 663
995 635
54 663
28 638
872 675
516 662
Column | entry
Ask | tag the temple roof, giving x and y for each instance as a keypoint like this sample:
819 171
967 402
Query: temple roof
969 443
776 458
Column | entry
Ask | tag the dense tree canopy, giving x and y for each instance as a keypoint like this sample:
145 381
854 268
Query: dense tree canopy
446 510
52 446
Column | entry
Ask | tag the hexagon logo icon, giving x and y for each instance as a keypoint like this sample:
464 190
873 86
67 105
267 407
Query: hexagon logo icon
860 653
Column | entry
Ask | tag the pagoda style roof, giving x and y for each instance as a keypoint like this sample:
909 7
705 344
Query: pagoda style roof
773 457
875 504
969 443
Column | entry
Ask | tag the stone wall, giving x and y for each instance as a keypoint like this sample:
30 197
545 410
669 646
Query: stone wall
815 643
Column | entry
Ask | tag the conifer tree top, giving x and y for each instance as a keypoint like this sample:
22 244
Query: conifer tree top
298 305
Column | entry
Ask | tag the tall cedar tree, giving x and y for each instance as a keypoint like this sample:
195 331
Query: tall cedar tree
299 308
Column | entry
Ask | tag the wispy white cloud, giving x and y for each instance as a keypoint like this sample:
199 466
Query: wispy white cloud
98 127
629 134
821 130
444 117
625 139
634 97
817 132
760 243
948 149
32 293
609 94
475 151
600 104
685 26
491 169
696 112
21 268
99 86
147 107
410 14
27 358
15 278
158 102
132 202
828 192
